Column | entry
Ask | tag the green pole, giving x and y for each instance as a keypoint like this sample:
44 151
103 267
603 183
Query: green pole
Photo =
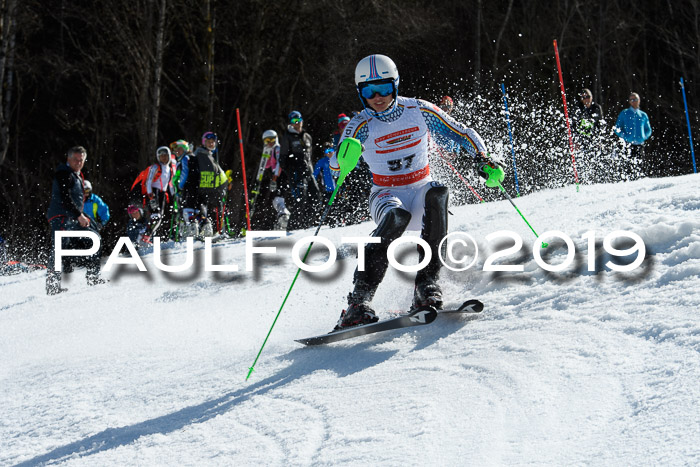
544 245
349 154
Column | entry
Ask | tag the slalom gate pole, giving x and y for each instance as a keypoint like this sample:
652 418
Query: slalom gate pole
245 183
687 119
544 245
459 175
349 153
566 115
510 133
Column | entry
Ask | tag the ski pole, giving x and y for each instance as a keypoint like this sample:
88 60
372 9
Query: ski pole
510 133
566 114
349 154
544 245
690 135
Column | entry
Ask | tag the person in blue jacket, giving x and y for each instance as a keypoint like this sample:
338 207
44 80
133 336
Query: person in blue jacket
94 207
633 127
323 167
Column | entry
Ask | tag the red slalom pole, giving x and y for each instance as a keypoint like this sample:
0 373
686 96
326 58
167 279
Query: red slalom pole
566 114
459 175
245 183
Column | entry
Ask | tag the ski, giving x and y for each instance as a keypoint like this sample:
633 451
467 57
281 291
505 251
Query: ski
418 317
468 307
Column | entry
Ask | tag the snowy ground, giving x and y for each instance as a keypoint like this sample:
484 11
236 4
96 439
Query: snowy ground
572 367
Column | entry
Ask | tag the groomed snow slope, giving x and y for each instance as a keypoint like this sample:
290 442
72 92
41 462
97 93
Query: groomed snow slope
573 367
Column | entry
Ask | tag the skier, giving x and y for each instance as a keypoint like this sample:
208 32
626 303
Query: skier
295 159
272 178
202 183
394 131
182 150
159 188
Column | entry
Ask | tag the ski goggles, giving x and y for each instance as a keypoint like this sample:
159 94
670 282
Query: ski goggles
163 152
294 121
329 150
268 140
384 89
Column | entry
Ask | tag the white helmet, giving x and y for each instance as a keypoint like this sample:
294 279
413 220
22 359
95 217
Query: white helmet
87 186
378 68
269 134
163 150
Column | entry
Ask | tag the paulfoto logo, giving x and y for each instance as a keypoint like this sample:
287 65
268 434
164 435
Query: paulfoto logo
458 251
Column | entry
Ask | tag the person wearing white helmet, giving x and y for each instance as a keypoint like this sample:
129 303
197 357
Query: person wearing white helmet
159 188
271 180
395 132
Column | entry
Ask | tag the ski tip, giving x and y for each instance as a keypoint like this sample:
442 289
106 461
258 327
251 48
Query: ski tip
473 306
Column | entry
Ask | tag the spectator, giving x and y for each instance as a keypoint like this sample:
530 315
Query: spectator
447 104
588 117
202 184
323 167
588 126
159 189
633 128
295 160
94 207
182 150
65 213
337 134
210 141
137 226
272 182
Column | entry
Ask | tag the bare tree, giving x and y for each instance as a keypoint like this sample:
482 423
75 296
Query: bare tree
8 22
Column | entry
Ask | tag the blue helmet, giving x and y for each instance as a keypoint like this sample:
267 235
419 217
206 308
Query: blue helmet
294 114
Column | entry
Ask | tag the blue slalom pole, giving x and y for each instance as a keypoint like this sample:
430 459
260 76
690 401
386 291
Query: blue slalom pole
690 135
510 133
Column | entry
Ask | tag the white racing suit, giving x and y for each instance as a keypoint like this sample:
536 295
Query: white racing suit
396 150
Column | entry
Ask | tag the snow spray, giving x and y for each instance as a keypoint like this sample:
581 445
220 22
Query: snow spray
510 133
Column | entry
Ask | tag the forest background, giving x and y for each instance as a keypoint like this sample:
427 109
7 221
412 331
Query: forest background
123 77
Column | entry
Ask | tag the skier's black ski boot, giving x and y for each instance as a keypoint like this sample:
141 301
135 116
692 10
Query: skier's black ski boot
427 292
355 315
366 282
